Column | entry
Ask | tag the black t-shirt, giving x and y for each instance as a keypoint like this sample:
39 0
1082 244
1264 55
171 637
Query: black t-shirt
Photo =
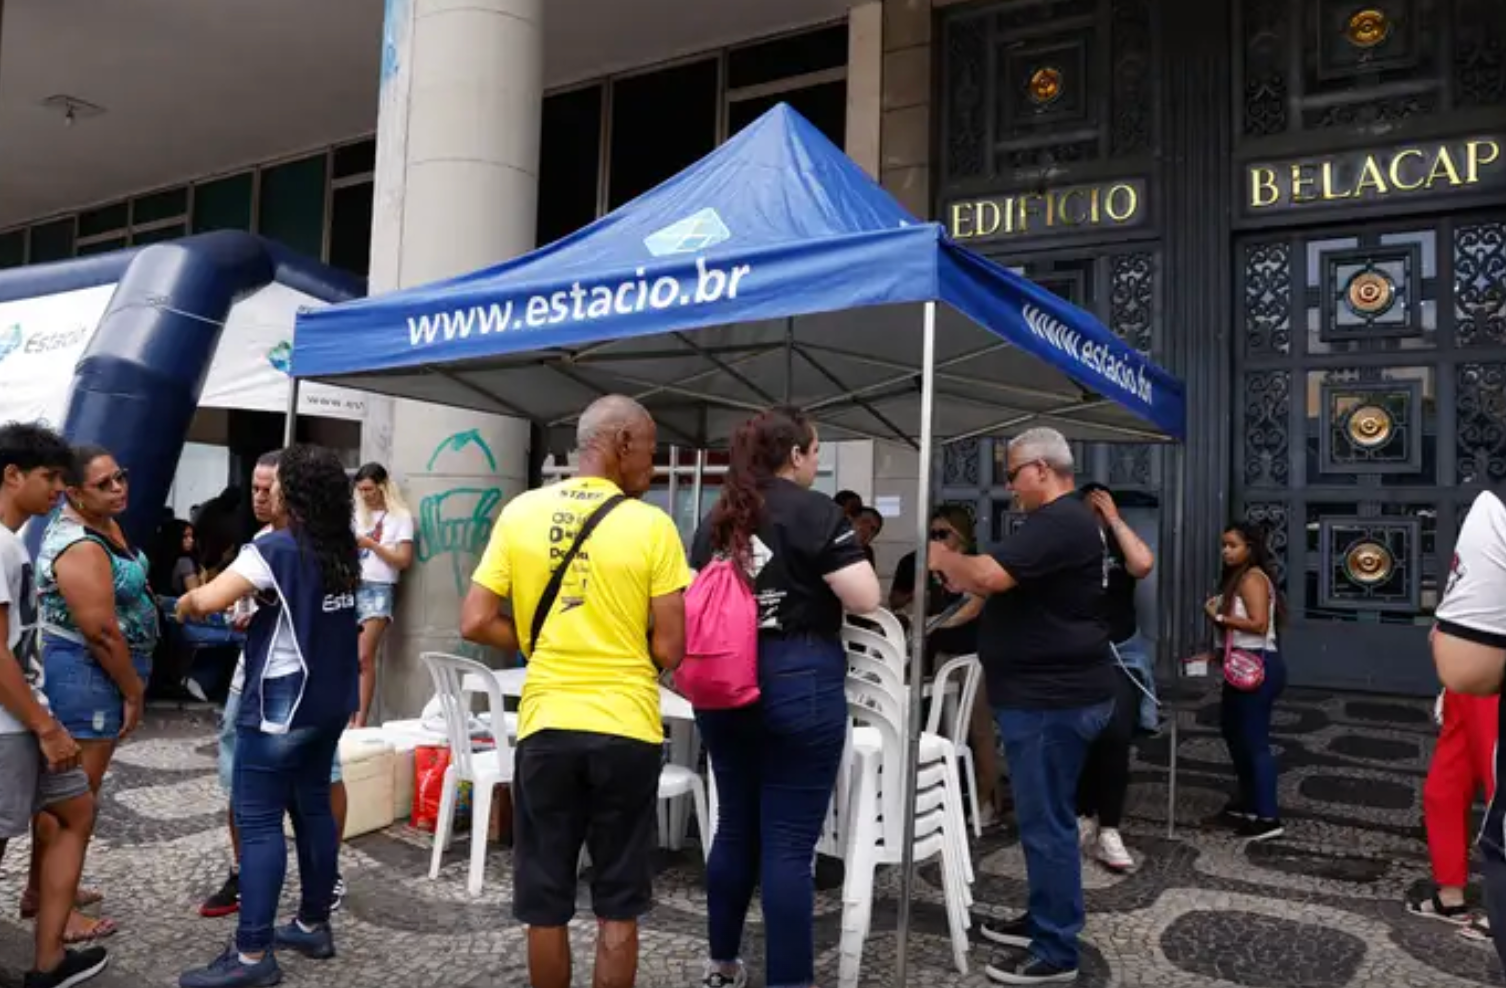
1123 623
1045 643
961 640
803 538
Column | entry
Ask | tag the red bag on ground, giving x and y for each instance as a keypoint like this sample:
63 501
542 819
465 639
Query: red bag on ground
430 763
720 671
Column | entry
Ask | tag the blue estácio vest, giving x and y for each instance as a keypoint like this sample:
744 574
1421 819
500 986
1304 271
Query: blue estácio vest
324 629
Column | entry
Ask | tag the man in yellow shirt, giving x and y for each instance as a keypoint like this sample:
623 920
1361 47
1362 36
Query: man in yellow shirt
589 734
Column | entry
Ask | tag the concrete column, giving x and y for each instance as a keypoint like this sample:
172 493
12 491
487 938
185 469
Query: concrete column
456 190
906 142
865 84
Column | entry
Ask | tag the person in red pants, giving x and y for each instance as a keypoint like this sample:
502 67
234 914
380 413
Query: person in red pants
1462 765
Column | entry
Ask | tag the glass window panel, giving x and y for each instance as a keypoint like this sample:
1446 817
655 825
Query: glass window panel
781 58
569 160
824 105
355 159
13 249
166 205
105 219
291 211
52 241
350 228
224 204
102 246
661 122
159 234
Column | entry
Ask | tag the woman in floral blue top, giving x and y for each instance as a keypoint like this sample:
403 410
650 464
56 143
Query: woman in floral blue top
98 615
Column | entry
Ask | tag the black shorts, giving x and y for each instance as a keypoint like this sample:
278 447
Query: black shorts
574 788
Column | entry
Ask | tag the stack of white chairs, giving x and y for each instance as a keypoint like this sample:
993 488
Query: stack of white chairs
950 716
484 768
867 824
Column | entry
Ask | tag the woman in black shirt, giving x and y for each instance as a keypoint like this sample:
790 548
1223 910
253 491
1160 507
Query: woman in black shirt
1104 782
776 761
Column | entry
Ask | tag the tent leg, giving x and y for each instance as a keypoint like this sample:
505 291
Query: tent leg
290 421
1176 611
917 645
697 484
674 482
789 360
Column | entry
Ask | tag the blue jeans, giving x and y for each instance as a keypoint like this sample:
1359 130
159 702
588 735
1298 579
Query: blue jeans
277 774
83 697
1136 657
1045 750
1246 722
776 765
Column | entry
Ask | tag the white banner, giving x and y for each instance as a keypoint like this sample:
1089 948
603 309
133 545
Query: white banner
41 341
250 369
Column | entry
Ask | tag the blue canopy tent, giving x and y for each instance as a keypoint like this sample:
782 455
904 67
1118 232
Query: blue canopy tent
773 270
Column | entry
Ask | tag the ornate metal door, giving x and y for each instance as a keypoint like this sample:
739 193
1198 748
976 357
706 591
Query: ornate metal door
1371 384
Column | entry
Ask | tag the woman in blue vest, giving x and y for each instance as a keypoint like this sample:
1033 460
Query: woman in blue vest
302 672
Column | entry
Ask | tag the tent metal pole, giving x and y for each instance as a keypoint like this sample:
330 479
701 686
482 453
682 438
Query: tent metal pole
1178 514
789 360
917 644
674 481
697 483
290 420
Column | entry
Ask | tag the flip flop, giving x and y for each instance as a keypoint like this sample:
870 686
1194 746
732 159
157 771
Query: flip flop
99 929
84 899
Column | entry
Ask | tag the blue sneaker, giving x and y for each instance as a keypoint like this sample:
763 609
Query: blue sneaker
316 944
228 971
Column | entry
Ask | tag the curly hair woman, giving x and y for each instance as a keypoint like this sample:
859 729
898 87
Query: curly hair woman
776 761
1246 614
301 683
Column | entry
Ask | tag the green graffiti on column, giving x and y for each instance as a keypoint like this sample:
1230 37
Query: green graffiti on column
454 524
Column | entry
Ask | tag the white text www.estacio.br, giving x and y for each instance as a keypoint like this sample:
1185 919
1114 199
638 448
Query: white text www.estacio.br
1094 356
580 303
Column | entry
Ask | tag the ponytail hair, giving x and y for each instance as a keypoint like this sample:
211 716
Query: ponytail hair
761 447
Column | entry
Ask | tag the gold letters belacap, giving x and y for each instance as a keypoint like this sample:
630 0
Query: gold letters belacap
1375 175
1054 211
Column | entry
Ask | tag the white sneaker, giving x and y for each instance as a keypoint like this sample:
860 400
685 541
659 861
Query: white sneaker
1112 852
1087 832
715 978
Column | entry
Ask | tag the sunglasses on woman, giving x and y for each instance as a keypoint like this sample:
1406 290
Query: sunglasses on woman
119 478
940 534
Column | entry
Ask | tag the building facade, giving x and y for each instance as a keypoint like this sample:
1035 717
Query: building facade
1299 207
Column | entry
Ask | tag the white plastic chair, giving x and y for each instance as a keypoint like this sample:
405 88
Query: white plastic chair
875 819
953 722
484 769
678 780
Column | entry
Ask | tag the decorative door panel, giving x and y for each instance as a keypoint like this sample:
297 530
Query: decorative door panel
1371 384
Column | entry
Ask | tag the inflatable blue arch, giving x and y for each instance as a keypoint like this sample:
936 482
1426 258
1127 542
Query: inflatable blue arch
138 384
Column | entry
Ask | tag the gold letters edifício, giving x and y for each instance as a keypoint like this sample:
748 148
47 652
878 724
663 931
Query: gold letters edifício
1411 169
1054 210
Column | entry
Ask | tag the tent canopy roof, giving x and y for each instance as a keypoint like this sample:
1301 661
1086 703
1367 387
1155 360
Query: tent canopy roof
772 270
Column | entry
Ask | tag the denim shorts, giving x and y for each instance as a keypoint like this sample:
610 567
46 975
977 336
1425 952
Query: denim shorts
227 746
373 602
84 698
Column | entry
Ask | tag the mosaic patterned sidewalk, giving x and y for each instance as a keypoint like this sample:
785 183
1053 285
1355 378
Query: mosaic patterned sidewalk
1321 908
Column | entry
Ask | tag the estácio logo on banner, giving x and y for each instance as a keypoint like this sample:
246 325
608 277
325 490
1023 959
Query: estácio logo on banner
13 339
10 340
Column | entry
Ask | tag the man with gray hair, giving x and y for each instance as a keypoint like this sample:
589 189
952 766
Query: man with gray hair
595 577
1044 641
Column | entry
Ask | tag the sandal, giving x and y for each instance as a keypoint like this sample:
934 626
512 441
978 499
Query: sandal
1477 929
1432 907
86 929
82 900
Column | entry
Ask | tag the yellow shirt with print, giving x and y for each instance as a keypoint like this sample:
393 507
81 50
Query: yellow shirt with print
593 671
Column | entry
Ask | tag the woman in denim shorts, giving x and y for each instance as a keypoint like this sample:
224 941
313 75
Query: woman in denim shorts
97 612
384 535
